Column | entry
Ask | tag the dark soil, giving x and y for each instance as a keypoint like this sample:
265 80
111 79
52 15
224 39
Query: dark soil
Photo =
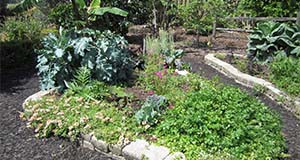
16 140
291 125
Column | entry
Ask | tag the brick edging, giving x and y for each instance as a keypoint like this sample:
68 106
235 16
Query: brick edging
272 92
136 150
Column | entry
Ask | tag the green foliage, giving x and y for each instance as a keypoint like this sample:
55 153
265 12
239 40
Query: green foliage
218 118
165 46
274 8
203 13
151 110
274 39
72 114
21 28
205 119
285 73
18 36
105 54
63 15
82 76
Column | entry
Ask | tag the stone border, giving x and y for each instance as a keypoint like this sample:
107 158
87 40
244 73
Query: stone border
136 150
291 104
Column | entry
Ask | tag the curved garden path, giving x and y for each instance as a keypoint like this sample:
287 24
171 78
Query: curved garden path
19 142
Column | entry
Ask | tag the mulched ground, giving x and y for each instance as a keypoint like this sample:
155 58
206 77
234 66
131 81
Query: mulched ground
19 142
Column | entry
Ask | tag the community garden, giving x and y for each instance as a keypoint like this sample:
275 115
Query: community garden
123 71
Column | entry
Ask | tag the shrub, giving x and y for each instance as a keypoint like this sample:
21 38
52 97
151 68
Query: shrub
285 73
271 39
274 8
221 119
18 36
105 54
199 15
21 28
63 15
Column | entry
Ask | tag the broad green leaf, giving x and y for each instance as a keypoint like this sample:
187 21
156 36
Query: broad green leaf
296 51
95 4
81 45
113 10
81 3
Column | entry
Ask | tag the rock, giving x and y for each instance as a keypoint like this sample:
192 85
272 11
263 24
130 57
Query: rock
115 149
176 156
86 144
135 150
156 152
99 144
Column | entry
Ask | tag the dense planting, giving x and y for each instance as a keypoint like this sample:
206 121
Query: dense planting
222 119
285 73
90 64
105 54
203 119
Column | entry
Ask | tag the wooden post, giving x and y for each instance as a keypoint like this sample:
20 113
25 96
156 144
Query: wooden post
298 18
214 28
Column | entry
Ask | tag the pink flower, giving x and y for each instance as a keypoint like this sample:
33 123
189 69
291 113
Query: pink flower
151 92
159 74
165 66
171 106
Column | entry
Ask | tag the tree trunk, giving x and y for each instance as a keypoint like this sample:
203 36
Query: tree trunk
75 9
154 21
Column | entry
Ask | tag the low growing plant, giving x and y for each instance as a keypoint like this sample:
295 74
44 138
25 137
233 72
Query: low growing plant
223 120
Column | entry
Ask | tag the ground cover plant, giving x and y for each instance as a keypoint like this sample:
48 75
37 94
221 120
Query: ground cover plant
202 118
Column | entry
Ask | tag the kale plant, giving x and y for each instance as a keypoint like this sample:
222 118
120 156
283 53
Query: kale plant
105 54
151 110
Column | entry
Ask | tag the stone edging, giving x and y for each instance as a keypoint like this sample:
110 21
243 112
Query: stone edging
272 92
137 150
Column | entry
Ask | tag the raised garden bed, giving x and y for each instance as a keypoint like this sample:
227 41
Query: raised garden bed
203 119
235 66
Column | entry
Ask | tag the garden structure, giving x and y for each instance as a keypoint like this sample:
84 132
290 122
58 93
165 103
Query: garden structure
149 80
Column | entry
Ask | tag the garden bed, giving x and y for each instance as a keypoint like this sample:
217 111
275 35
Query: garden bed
291 102
219 115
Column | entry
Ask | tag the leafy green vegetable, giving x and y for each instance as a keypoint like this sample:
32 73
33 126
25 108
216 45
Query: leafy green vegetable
105 54
273 39
151 110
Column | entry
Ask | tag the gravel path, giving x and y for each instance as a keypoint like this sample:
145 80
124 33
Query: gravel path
17 141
